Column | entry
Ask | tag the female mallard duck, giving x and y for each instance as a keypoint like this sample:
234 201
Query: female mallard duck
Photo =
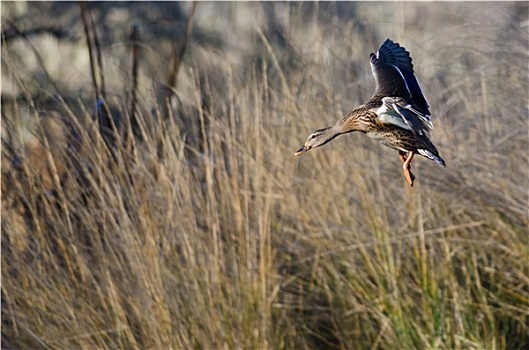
397 115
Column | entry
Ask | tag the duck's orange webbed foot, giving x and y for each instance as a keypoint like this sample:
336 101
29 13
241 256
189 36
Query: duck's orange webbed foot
406 166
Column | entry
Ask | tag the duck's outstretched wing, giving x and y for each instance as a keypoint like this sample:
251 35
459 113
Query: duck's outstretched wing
399 112
393 72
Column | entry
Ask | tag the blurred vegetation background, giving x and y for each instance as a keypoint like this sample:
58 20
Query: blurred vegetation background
170 212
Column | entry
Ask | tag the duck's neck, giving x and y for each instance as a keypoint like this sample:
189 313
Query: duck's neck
332 132
356 120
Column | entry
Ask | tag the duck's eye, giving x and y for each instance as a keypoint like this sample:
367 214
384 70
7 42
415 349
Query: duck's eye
313 136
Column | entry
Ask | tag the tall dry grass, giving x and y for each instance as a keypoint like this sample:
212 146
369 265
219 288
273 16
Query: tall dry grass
220 239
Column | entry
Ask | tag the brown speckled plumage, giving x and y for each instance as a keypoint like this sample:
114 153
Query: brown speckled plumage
397 115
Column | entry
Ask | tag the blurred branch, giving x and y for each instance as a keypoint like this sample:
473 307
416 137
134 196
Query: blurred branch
15 29
134 39
13 32
84 10
98 55
102 112
176 60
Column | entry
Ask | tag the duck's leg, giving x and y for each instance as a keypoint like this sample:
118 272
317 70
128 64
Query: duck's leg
406 159
402 156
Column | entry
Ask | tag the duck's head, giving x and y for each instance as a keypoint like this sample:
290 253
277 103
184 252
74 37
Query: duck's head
317 138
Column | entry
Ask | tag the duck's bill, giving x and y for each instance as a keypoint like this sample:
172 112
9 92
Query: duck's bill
301 151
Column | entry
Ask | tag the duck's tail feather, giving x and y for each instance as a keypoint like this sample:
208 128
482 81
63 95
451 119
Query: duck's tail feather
430 155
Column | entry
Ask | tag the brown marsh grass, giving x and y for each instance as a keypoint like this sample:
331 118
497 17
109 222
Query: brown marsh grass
208 234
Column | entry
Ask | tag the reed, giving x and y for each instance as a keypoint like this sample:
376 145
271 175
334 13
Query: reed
210 235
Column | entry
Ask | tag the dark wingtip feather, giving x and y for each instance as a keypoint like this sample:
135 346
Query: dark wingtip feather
391 52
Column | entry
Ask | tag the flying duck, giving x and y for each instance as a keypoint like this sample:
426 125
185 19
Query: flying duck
397 115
